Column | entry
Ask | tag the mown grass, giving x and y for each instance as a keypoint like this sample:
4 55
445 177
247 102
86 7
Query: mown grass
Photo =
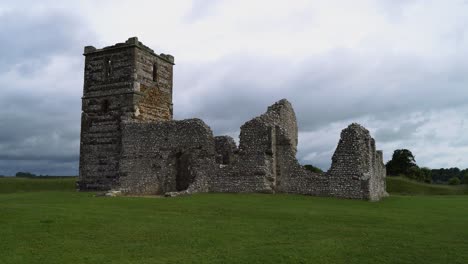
400 185
68 227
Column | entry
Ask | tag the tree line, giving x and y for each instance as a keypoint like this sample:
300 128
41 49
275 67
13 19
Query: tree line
22 174
403 163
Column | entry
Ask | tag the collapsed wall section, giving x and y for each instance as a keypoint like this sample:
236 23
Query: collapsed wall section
294 178
263 140
248 169
170 156
357 169
226 150
266 159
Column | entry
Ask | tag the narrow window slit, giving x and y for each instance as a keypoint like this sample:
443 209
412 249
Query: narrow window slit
105 106
155 72
108 67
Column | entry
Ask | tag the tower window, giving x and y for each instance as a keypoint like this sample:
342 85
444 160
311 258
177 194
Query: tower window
108 67
105 106
155 72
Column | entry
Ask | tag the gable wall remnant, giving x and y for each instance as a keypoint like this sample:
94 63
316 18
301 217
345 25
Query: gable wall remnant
357 169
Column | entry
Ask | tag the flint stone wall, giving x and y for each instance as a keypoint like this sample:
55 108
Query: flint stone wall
226 150
162 157
357 169
266 160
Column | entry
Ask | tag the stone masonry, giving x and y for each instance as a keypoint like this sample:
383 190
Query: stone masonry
162 157
357 169
130 143
127 81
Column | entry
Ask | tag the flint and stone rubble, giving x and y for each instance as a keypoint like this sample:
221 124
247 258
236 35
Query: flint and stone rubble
130 144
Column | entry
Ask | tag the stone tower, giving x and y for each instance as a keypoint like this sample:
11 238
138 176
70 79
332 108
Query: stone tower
124 82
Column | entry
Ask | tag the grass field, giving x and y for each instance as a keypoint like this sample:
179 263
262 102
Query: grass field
48 222
400 185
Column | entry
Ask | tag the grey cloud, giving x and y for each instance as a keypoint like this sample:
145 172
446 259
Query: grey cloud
31 39
393 93
380 88
337 87
56 157
323 89
200 9
394 9
398 130
40 117
48 167
36 134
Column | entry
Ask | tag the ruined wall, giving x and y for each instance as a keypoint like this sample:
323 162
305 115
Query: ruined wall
357 169
378 184
129 141
226 150
293 178
266 160
254 169
290 176
115 82
171 156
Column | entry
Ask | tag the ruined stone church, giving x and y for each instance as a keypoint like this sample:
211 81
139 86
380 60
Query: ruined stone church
130 142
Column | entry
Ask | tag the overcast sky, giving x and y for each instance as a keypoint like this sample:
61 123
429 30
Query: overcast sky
398 67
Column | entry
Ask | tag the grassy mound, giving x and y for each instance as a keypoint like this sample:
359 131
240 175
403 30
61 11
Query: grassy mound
13 184
400 185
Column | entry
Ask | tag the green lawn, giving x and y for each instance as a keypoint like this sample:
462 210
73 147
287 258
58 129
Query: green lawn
69 227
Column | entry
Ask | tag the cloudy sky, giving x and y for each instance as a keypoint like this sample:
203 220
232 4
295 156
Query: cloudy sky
399 67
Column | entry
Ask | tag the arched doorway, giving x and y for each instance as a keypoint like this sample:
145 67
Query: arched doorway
184 176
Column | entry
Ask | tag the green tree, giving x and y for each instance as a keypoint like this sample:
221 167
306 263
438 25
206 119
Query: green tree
25 174
454 181
427 174
414 173
465 176
401 163
312 168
